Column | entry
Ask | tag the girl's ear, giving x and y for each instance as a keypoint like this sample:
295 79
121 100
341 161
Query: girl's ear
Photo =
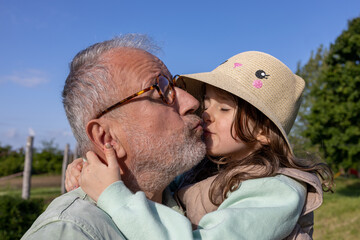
263 139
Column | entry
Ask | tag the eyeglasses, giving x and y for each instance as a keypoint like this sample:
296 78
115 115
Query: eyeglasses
164 86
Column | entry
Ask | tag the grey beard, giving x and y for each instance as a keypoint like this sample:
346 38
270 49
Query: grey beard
158 160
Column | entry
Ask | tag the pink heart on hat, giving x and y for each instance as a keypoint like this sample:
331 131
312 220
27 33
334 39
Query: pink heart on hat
237 65
257 83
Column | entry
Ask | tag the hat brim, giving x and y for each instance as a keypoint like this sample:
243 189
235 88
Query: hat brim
194 83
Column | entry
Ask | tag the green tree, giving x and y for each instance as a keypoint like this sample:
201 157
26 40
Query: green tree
310 72
17 215
49 159
11 161
334 119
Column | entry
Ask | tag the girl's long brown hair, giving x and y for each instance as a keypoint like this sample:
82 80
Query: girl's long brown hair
271 155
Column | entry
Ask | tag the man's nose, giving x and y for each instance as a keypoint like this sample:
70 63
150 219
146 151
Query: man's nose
186 102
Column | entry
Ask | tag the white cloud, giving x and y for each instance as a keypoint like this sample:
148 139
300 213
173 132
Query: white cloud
27 78
11 133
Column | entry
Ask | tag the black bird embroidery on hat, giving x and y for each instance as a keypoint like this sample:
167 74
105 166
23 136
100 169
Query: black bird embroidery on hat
261 74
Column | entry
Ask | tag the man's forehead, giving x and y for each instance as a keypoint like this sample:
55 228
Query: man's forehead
125 55
133 68
134 63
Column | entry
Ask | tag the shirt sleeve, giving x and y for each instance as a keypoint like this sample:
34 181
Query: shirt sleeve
265 208
60 230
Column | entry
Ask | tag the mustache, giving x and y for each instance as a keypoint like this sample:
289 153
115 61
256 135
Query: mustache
191 127
192 121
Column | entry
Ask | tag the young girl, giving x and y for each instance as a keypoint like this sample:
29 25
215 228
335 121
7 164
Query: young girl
258 189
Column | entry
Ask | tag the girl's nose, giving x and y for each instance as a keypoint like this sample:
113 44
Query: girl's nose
206 117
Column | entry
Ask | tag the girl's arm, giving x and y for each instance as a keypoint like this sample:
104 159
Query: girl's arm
266 208
260 209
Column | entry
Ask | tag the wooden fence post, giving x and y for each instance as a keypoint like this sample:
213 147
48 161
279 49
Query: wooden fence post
27 168
76 154
64 165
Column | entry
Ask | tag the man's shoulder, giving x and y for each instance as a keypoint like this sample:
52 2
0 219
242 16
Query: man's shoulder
61 207
76 210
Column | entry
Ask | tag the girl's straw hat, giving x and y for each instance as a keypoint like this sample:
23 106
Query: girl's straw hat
260 79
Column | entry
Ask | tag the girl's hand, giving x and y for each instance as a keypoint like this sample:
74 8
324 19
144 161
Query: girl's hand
72 174
96 176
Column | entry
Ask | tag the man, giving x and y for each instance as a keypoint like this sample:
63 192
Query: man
119 93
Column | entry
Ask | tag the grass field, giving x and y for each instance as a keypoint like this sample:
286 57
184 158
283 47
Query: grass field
47 187
337 218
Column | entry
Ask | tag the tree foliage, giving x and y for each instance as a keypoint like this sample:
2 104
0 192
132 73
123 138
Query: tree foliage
17 215
334 118
47 159
11 161
310 72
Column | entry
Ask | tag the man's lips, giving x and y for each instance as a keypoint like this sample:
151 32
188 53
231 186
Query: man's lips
198 126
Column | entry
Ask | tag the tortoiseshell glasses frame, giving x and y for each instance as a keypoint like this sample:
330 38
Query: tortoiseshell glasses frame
163 85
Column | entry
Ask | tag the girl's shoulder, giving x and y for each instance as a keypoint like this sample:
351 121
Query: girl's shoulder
268 191
314 192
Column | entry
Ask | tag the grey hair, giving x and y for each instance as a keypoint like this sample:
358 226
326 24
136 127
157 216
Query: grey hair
88 84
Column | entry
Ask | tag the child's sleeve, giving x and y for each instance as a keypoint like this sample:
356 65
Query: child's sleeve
266 208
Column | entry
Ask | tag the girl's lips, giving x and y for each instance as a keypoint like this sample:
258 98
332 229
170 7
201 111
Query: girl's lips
207 133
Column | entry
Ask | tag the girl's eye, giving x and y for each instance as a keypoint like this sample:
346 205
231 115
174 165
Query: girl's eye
225 109
205 104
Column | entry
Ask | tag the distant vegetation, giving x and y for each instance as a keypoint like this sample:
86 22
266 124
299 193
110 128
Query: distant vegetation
329 119
17 215
48 159
339 216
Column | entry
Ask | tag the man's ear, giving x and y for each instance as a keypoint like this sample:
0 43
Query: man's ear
100 134
119 149
96 133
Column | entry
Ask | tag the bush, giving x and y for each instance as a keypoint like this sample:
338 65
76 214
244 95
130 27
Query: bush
17 215
46 160
49 160
11 161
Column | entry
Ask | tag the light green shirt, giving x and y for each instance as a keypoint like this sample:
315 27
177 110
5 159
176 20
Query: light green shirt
265 208
73 216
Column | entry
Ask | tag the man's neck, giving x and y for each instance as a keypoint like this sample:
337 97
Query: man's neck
155 197
152 194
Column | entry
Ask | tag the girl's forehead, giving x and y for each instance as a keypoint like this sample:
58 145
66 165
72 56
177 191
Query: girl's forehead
217 93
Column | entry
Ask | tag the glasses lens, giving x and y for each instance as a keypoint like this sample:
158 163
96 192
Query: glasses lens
166 89
180 83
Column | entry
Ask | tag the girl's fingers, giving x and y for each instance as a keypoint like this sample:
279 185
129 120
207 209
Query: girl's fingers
80 181
79 166
67 186
92 158
72 172
77 161
110 155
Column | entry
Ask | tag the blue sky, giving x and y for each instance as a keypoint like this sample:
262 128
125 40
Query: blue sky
39 38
